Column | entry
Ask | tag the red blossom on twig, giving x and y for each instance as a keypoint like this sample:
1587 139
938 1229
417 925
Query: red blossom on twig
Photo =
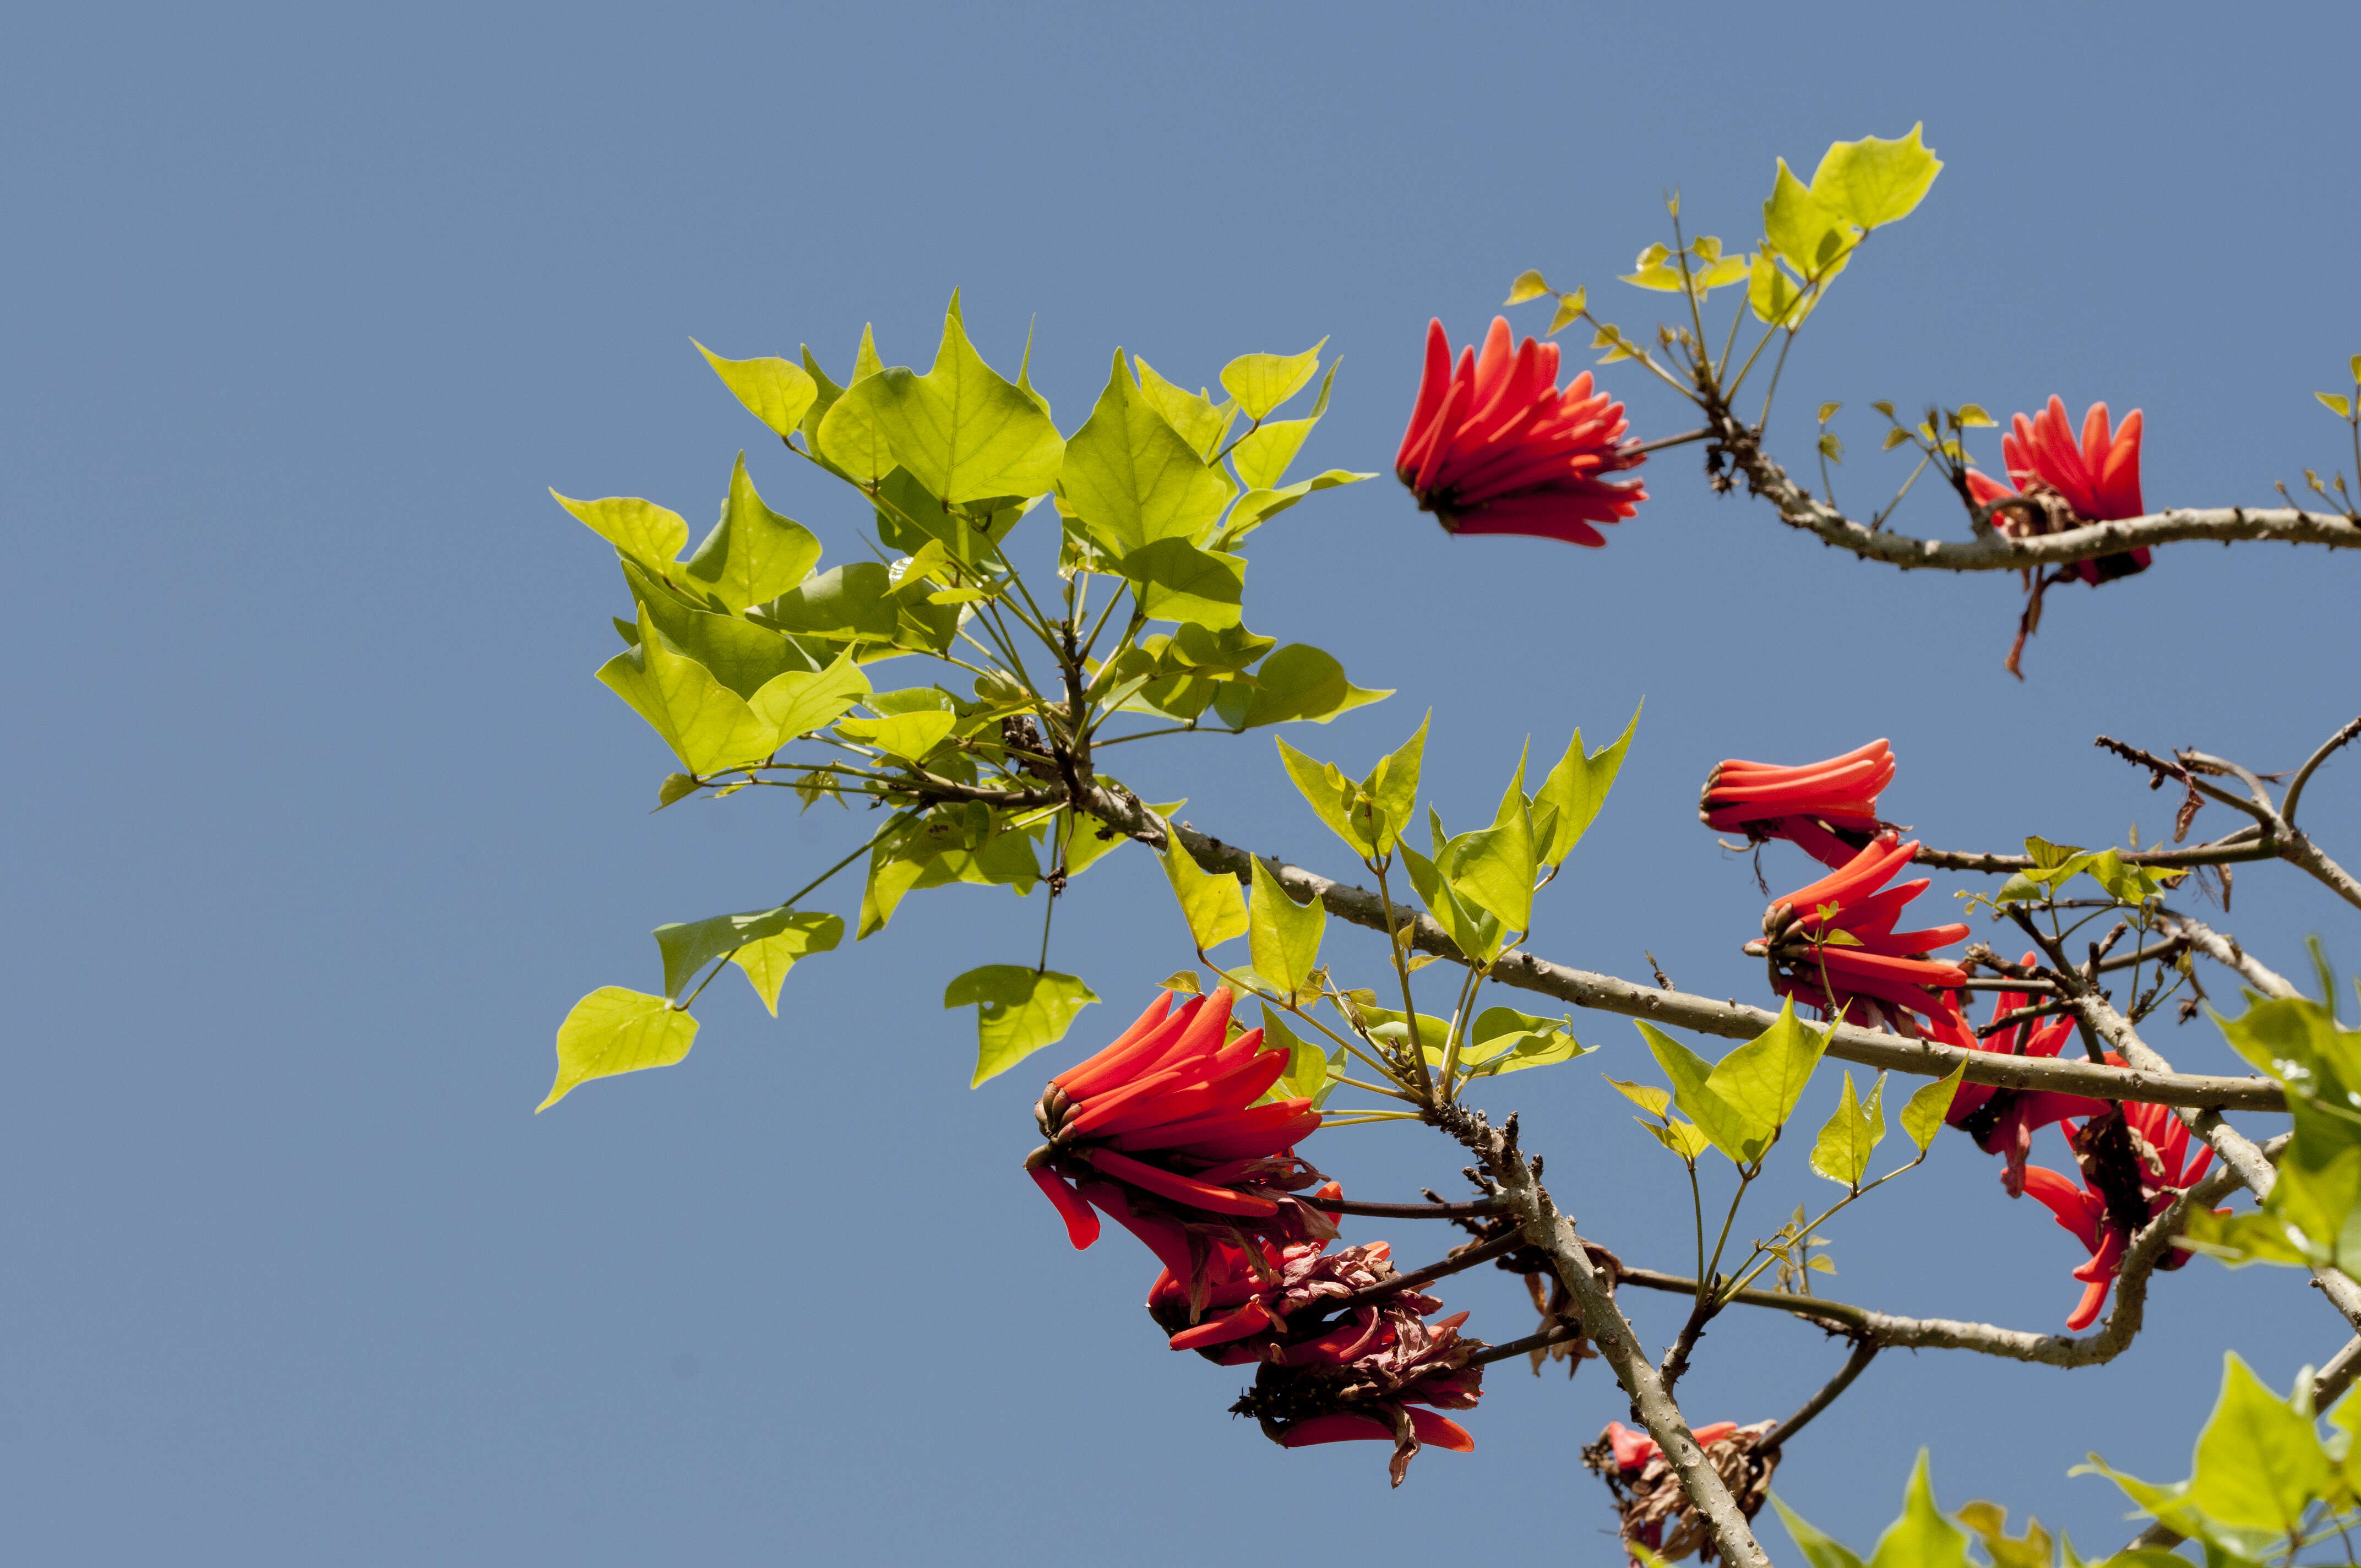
1837 935
1827 809
1494 447
1656 1513
1160 1132
2131 1168
2002 1120
1371 1378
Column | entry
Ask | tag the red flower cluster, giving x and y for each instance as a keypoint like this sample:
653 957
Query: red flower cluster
1160 1132
1827 809
1369 1379
2097 478
1832 945
2002 1120
1656 1513
1495 447
2132 1170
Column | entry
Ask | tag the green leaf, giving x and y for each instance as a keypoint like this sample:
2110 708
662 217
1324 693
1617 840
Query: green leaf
1576 788
1211 902
1842 1150
1307 1070
1732 1129
774 392
1473 933
708 726
2259 1462
741 655
1132 478
1873 182
1922 1537
1492 869
909 736
675 788
1258 507
1505 1040
1282 936
767 959
1923 1114
1391 789
753 554
963 431
1262 456
1529 285
1177 581
852 603
614 1030
1646 1096
643 530
1298 682
1260 382
1200 422
1972 416
689 948
851 436
1814 238
1683 1138
797 702
1019 1010
1765 1077
1819 1551
1331 798
2238 1239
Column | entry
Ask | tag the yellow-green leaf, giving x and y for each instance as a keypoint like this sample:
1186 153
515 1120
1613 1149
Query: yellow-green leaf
614 1030
1260 382
1923 1112
1873 182
1019 1010
1529 285
963 431
1132 478
753 554
1646 1096
1212 903
708 726
773 391
1282 936
646 533
1814 238
767 959
1200 422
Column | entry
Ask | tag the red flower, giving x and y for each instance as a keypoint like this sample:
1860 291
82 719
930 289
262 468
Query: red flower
1366 1378
2132 1170
1656 1513
2098 477
1827 809
1837 934
2002 1120
1251 1296
1495 447
1160 1131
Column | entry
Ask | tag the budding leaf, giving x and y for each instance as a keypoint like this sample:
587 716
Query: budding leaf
1529 285
614 1030
1332 796
1019 1010
1392 789
773 391
1211 902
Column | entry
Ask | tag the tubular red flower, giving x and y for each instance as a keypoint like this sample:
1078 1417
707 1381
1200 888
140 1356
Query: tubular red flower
1160 1131
2097 476
2133 1167
1495 446
1832 945
1827 809
2002 1120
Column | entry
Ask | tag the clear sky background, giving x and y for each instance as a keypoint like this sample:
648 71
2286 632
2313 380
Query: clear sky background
317 823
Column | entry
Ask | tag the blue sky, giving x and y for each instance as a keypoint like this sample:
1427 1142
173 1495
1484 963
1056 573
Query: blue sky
319 823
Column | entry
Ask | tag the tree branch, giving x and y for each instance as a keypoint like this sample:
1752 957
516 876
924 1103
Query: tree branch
1797 509
1728 1020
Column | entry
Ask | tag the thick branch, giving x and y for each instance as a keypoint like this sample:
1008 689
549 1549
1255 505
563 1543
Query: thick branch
1541 1225
2000 553
1730 1020
2223 949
